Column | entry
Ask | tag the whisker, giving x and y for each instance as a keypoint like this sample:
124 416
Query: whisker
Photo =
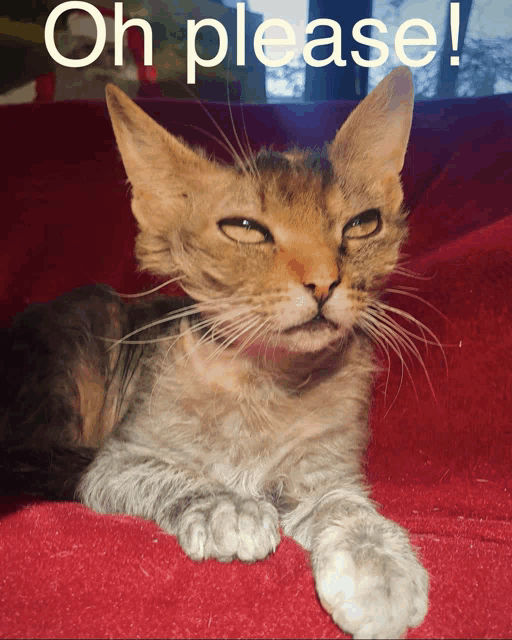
258 332
269 334
252 157
404 288
196 327
396 332
234 153
215 139
412 274
400 332
147 293
240 146
215 322
382 315
196 307
381 344
420 325
169 318
241 330
400 291
232 325
368 326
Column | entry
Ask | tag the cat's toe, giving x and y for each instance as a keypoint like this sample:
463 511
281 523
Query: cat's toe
192 533
258 533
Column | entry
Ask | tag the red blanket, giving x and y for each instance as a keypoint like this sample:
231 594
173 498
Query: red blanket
441 453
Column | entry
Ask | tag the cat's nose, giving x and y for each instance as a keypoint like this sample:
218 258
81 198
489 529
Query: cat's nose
322 290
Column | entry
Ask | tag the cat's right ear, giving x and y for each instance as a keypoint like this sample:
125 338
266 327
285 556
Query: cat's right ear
151 156
373 140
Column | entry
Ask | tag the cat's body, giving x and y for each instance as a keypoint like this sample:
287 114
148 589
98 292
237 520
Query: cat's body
244 409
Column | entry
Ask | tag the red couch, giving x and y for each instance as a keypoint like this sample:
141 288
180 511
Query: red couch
440 458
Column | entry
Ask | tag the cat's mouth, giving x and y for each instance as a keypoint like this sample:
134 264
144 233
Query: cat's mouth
318 323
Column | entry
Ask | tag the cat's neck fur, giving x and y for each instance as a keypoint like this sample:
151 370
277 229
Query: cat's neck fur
293 371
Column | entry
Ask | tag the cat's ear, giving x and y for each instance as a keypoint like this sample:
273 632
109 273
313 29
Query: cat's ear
374 137
150 154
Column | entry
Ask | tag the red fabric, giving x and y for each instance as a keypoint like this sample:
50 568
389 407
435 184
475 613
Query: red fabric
439 464
45 87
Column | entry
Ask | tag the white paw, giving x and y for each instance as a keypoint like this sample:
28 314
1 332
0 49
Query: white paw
373 587
225 528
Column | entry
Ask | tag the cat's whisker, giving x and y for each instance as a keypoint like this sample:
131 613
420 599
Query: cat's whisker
400 334
195 308
243 328
209 335
381 316
379 342
388 331
383 345
147 293
248 338
254 335
234 153
404 288
226 324
251 326
228 146
166 338
222 144
235 133
421 326
175 338
374 331
409 273
277 338
192 310
391 321
379 322
404 292
265 340
212 322
252 157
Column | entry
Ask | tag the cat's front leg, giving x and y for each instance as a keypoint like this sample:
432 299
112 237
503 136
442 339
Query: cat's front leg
366 572
208 519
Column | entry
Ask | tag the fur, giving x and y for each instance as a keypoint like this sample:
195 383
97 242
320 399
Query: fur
242 409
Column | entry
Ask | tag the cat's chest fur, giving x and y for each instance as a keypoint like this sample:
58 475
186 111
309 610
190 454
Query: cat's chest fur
242 422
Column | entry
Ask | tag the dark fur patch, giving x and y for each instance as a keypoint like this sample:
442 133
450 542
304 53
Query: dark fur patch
309 161
270 160
42 358
359 284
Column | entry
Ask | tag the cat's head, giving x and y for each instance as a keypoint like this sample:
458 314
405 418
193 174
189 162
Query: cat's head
290 249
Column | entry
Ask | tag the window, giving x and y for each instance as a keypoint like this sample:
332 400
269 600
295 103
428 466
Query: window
485 51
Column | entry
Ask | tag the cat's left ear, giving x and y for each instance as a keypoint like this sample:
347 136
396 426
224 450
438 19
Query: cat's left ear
374 137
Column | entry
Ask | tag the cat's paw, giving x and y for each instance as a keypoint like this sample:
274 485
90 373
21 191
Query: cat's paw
226 527
369 579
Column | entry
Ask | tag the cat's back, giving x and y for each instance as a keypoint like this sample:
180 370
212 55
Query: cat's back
69 369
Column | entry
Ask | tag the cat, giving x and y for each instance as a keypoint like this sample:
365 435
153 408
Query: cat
243 407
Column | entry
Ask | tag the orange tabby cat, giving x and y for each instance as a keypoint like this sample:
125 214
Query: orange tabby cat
242 409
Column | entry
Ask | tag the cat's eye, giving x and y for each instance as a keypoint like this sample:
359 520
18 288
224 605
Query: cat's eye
363 225
245 230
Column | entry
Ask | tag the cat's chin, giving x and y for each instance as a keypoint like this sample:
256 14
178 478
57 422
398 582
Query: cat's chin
297 340
306 341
